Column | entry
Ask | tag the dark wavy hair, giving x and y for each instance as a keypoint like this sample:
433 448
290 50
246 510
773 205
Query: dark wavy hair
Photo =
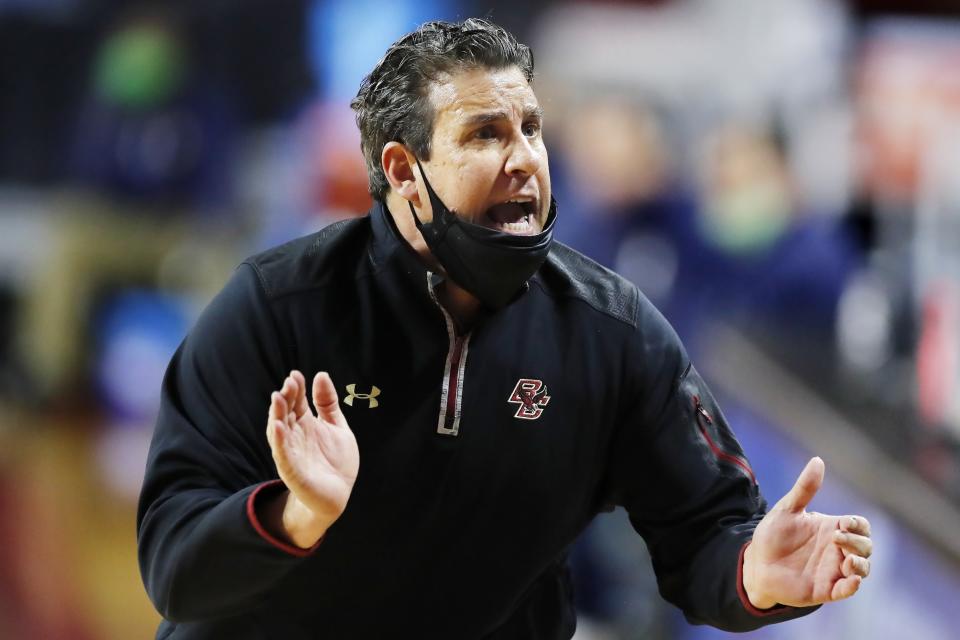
393 101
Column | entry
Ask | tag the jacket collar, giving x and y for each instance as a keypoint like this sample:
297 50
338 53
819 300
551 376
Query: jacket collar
391 252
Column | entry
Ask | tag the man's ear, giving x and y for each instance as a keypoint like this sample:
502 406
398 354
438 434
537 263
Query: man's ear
397 163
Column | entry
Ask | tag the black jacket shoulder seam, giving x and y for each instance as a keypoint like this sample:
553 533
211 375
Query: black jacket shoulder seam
267 300
263 282
632 324
311 287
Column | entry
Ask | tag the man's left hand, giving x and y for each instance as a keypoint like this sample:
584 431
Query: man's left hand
800 558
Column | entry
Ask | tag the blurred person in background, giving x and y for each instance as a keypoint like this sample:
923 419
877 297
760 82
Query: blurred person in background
898 331
733 242
625 205
150 163
448 295
153 122
752 254
617 177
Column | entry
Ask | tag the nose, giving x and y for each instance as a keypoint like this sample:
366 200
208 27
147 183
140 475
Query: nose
523 160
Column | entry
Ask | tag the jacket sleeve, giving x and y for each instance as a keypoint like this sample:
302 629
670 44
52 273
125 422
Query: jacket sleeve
202 551
687 486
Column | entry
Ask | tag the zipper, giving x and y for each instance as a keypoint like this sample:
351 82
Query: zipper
720 454
451 393
701 410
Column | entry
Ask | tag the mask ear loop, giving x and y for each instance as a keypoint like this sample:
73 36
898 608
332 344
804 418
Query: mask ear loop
416 220
440 223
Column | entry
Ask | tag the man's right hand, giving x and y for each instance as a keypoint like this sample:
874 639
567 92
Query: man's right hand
316 456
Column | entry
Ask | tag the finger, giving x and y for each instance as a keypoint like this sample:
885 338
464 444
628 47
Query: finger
806 486
325 399
855 565
855 524
278 434
270 429
277 407
845 587
295 394
846 567
300 405
276 446
857 545
289 391
273 419
275 434
282 409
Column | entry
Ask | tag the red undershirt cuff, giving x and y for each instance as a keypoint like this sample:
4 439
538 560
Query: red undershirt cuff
745 601
260 529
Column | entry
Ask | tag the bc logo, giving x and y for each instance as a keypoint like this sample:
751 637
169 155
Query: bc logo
532 397
369 397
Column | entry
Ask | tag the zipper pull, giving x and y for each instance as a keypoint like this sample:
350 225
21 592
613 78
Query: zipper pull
703 412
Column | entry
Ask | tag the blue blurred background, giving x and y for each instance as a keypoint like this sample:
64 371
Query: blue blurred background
782 178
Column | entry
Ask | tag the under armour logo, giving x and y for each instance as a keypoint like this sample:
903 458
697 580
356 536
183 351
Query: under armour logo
532 397
369 397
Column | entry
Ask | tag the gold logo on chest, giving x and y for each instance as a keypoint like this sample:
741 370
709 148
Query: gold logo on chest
371 397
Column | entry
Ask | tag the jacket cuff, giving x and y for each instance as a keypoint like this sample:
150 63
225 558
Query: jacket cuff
742 592
259 494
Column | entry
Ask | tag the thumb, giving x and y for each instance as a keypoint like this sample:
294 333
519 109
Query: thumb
325 399
806 486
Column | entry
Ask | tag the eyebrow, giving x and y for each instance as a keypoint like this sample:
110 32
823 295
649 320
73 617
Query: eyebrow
493 116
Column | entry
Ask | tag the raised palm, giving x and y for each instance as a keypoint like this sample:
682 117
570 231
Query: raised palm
316 454
802 558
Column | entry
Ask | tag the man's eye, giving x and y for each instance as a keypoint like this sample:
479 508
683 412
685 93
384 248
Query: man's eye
485 133
531 129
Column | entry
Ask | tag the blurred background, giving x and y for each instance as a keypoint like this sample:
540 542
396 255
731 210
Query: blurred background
781 177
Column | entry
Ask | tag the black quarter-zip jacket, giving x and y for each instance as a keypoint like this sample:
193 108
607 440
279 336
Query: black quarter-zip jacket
482 457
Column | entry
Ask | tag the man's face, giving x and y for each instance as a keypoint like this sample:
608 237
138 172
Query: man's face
487 162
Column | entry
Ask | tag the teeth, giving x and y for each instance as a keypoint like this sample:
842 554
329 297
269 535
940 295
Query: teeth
520 225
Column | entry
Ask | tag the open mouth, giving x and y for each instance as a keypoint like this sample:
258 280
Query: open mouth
514 216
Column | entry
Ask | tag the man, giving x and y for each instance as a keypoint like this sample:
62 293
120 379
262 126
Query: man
493 392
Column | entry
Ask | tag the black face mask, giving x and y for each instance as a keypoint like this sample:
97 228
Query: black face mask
492 265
